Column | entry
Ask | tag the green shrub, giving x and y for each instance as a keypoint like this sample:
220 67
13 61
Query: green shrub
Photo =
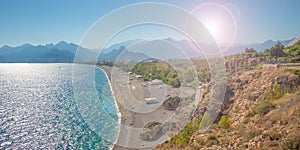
183 138
275 92
224 122
260 66
293 50
263 107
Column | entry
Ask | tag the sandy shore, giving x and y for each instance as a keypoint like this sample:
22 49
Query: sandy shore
130 95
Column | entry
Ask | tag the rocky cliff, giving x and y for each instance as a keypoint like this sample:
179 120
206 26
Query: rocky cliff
261 110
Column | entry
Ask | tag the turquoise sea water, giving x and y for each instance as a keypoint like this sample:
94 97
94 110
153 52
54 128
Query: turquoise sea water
38 109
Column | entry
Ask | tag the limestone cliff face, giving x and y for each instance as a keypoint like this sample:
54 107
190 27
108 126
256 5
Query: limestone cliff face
264 111
251 87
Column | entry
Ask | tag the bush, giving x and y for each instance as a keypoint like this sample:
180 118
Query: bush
224 122
260 66
263 107
204 74
293 51
275 92
183 138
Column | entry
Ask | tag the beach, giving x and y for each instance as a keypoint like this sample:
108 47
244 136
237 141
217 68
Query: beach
130 95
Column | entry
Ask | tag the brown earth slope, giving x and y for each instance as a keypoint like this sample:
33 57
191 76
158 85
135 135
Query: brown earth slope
261 111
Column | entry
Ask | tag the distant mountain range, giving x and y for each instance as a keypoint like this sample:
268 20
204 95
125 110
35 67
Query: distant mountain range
62 52
126 52
33 54
260 47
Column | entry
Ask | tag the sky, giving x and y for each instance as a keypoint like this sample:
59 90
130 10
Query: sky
51 21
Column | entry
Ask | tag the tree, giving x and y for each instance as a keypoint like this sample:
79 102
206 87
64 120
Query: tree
294 50
157 70
188 75
250 50
276 50
204 74
174 82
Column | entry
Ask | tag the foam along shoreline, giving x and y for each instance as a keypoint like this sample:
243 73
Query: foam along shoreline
107 74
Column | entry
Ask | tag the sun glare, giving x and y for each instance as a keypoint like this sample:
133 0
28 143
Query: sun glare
213 28
219 21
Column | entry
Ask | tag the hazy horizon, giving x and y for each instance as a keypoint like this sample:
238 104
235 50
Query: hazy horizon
47 22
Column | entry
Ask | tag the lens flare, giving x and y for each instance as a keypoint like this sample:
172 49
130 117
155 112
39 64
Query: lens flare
220 22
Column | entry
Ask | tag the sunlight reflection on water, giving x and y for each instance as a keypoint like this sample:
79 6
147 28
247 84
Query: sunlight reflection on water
37 109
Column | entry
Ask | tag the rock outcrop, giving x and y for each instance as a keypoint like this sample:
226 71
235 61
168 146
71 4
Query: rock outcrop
152 131
171 103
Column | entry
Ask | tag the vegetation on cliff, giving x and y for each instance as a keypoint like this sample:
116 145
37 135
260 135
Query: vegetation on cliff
261 109
263 112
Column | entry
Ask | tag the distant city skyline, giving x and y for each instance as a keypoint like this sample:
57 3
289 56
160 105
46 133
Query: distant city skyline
43 22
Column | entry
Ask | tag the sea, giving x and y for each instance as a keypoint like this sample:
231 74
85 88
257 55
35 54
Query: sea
56 106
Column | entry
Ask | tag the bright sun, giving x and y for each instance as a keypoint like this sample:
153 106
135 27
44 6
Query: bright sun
218 20
213 28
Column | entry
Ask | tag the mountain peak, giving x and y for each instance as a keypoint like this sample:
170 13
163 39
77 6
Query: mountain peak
269 41
26 45
62 43
66 46
6 46
50 45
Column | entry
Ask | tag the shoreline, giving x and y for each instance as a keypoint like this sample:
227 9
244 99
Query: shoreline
106 72
126 118
135 115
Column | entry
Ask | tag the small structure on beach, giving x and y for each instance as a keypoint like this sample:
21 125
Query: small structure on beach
139 77
151 100
157 82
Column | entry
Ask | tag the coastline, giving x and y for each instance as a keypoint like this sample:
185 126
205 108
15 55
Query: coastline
124 118
134 115
107 74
